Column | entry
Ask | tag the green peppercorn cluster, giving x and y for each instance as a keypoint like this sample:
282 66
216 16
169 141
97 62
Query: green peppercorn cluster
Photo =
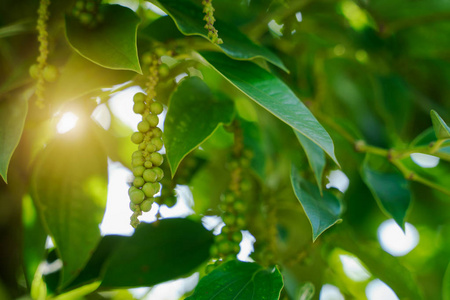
208 10
146 161
232 205
88 12
40 70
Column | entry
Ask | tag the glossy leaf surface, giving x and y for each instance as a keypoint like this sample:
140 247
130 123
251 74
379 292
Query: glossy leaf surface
188 16
274 95
158 252
12 119
240 281
193 116
440 127
112 44
69 188
316 157
389 188
322 211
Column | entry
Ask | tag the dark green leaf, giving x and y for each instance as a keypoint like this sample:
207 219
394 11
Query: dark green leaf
69 187
189 18
92 272
316 157
253 142
322 211
12 119
440 127
388 187
239 281
158 252
162 30
112 44
193 116
274 95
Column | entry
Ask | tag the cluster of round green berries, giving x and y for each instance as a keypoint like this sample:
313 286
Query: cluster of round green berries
49 72
88 12
208 10
40 70
146 161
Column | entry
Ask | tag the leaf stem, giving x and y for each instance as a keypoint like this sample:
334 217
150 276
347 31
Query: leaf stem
411 175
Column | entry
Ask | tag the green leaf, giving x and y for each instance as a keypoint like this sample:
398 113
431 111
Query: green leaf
274 95
388 187
440 127
316 158
13 113
239 281
189 19
446 285
158 252
69 186
322 211
112 44
79 72
34 237
92 271
193 116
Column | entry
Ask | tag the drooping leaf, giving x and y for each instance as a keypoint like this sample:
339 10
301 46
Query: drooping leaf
92 271
158 252
274 95
322 211
112 44
240 281
12 120
79 72
69 187
193 116
388 187
188 17
316 157
440 127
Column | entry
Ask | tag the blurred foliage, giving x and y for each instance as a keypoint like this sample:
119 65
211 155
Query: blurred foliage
298 89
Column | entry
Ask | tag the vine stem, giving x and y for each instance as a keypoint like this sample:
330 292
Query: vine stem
410 175
393 155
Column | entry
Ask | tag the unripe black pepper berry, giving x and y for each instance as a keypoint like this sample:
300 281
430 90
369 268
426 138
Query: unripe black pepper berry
159 173
137 196
157 132
146 205
156 108
50 73
34 71
153 120
148 164
137 137
149 189
138 161
138 171
143 126
156 159
139 97
139 107
157 142
150 175
138 182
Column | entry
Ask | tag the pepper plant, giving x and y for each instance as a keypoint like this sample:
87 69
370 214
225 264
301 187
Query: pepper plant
255 107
